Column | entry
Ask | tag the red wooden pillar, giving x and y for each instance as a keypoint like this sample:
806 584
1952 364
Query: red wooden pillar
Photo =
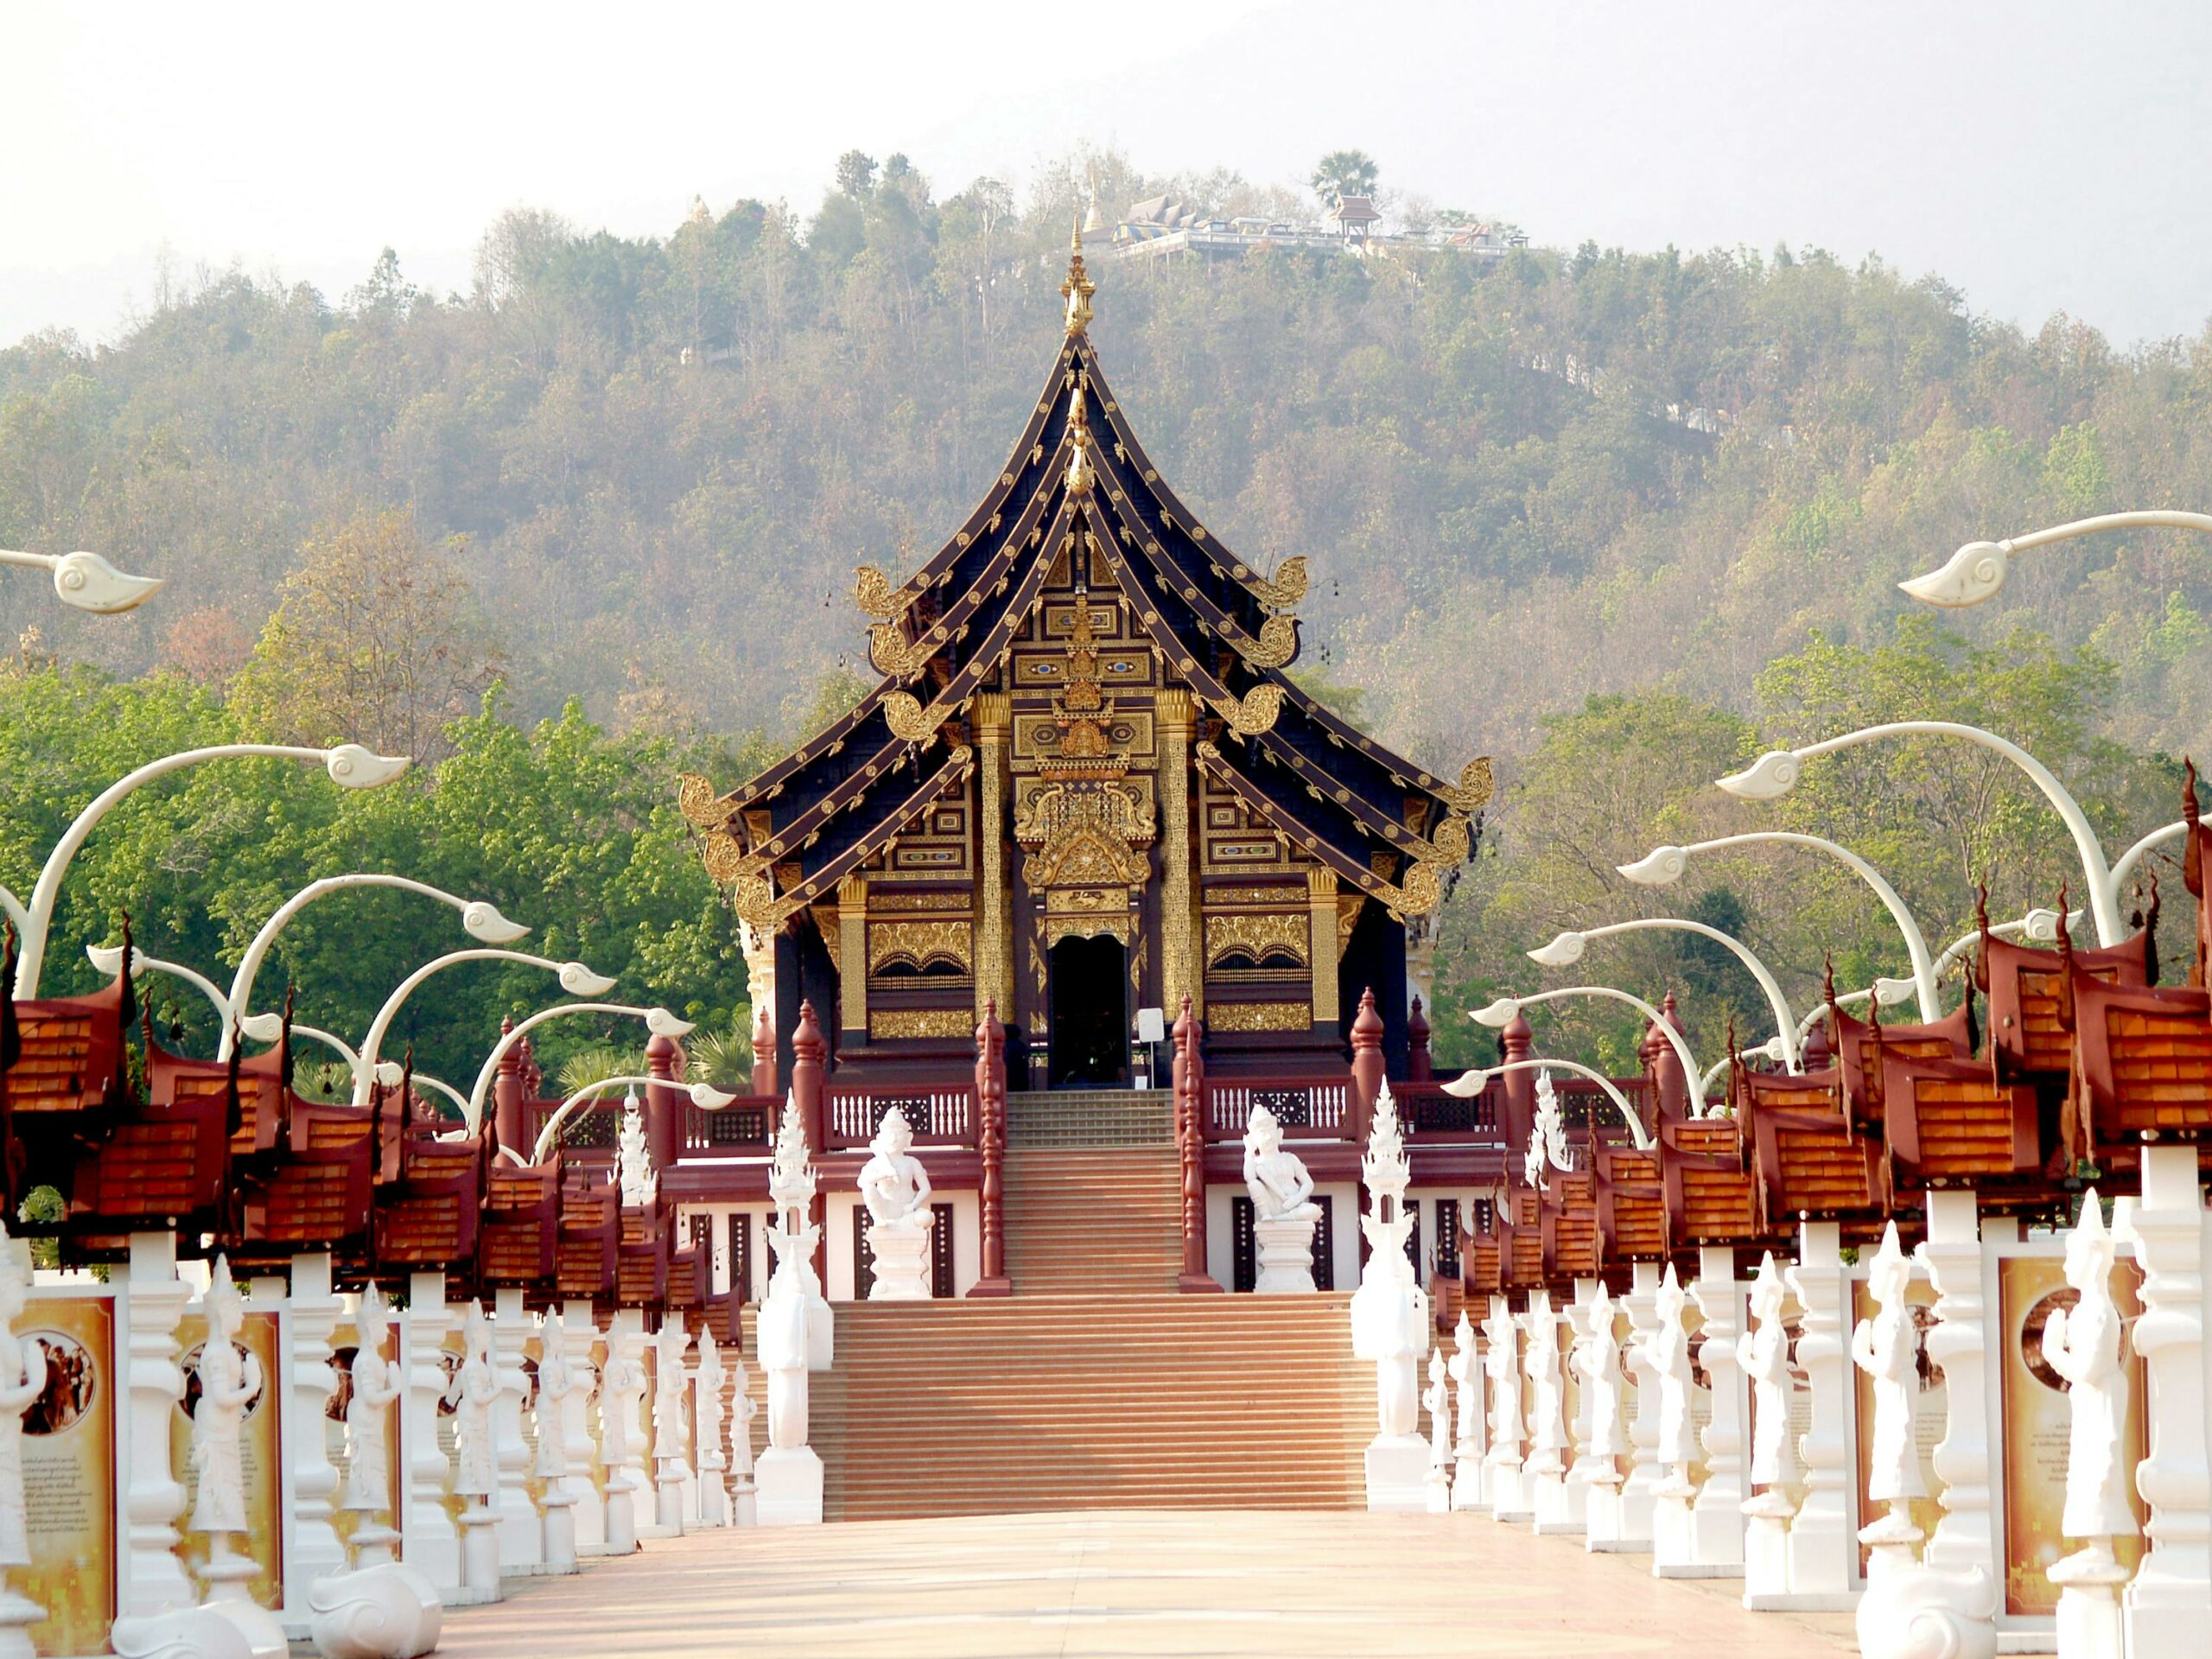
1190 1084
990 1133
1519 1088
663 1105
1418 1066
507 1101
809 1050
1671 1087
764 1051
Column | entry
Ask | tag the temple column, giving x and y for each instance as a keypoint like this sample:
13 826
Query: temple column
1631 1530
992 713
429 1540
589 1507
522 1536
852 960
317 1552
153 1582
759 950
1178 970
1823 1551
1321 901
1717 1517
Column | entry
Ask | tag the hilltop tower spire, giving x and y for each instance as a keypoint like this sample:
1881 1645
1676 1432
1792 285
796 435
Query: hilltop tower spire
1078 288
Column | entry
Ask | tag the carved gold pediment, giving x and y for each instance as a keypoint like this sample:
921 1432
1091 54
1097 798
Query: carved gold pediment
1258 934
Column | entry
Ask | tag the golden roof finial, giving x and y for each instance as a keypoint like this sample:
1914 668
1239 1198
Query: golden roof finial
1078 288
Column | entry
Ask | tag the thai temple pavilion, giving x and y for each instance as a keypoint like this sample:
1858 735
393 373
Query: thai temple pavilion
1085 786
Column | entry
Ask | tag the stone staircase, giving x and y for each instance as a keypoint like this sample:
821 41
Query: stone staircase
1095 1385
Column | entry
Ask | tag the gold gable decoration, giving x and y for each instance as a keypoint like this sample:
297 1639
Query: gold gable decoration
918 945
888 650
1258 934
908 720
1288 587
1277 643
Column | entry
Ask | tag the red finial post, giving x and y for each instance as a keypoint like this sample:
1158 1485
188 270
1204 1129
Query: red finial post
1366 1068
1419 1068
1518 1040
990 1126
507 1097
764 1051
1190 1079
1673 1089
809 1050
663 1106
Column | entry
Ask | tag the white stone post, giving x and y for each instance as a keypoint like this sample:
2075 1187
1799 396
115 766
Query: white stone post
1465 1366
621 1435
589 1507
1645 1473
1390 1321
2168 1607
1673 1533
1581 1465
1438 1400
1604 1436
743 1504
671 1460
315 1551
154 1581
428 1542
1763 1352
558 1381
1717 1517
1544 1378
522 1538
1507 1487
1965 1537
1823 1546
711 1499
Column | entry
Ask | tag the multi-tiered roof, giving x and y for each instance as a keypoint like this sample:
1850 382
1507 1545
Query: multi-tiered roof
1079 486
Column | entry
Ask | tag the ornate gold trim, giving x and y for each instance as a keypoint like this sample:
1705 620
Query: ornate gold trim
892 1024
1257 933
888 650
909 721
876 595
1288 587
1260 1016
1476 779
1277 643
920 943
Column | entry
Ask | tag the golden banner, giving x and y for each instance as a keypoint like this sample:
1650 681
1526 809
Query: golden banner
2028 1289
69 1473
260 1451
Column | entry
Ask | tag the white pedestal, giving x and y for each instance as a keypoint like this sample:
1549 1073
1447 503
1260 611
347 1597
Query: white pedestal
1766 1552
1717 1517
479 1553
902 1260
1286 1252
1633 1531
787 1487
1397 1473
559 1541
1601 1511
1823 1545
314 1551
227 1574
18 1615
587 1507
153 1581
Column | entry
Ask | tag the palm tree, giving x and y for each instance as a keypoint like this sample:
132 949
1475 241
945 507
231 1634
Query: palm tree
724 1058
1343 173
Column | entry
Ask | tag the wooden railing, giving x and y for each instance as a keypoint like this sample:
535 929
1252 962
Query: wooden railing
745 1127
1307 1108
940 1115
1428 1114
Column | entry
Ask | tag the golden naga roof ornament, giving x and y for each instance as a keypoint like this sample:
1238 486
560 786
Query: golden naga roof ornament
1476 779
876 595
1078 288
888 650
1254 713
1288 587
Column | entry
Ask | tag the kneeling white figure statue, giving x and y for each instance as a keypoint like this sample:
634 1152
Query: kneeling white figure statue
896 1189
1284 1214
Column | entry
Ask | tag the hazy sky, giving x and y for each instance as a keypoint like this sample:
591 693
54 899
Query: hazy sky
2043 154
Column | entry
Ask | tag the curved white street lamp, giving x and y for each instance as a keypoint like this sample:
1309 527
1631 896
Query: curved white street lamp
349 766
1976 570
270 1027
481 921
660 1021
1775 773
86 581
575 979
704 1096
1468 1084
1567 949
1500 1013
391 1073
1663 866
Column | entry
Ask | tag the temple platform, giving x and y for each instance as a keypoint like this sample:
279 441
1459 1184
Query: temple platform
1080 1583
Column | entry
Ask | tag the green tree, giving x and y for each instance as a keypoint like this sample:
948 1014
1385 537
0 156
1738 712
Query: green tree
1343 173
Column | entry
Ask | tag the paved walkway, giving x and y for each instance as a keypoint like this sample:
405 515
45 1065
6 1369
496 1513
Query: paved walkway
1095 1583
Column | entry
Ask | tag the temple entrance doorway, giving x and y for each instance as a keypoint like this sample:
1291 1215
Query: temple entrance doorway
1090 1013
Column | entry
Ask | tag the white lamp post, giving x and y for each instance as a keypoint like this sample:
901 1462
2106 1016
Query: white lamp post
575 979
660 1021
1567 949
349 766
1663 866
1500 1013
481 921
1468 1084
86 581
1775 773
108 959
704 1096
1976 570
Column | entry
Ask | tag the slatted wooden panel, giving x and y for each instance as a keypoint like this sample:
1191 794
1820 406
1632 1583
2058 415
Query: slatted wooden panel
1635 1204
1822 1170
1717 1203
311 1203
2162 1070
52 1073
1966 1128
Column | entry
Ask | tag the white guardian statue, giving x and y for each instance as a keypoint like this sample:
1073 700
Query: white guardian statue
896 1189
1284 1214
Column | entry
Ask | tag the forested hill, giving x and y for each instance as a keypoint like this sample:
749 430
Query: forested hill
1516 485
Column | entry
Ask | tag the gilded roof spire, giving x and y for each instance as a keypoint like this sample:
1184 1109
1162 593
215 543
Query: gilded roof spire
1078 288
